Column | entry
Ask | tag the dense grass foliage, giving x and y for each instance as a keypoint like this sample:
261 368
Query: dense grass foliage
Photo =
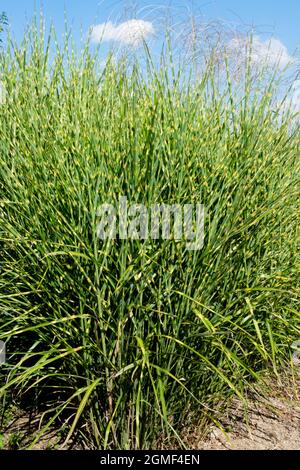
125 342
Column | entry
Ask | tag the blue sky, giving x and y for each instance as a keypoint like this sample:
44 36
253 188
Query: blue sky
280 18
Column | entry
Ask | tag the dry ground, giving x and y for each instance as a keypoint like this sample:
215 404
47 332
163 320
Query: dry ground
271 421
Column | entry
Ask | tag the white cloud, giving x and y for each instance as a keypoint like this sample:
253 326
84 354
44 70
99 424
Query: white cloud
270 52
131 33
293 101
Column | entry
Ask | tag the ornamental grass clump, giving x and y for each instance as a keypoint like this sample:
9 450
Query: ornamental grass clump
122 343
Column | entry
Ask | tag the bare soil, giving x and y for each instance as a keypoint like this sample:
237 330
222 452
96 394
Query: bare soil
270 421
